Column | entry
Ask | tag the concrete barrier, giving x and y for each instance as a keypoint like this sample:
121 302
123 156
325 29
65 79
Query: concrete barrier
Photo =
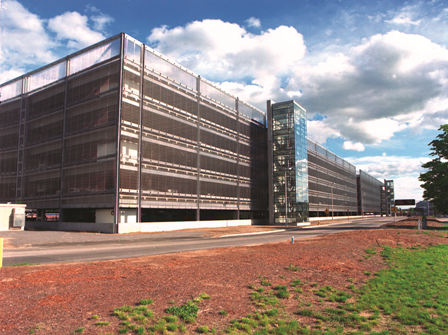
1 252
178 225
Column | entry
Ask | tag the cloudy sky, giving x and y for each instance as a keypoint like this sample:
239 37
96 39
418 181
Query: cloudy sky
372 75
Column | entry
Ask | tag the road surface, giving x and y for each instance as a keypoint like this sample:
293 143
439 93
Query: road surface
84 252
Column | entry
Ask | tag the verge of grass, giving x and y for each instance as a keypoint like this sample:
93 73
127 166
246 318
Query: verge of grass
25 264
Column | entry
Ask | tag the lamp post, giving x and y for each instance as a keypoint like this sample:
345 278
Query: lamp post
332 209
362 204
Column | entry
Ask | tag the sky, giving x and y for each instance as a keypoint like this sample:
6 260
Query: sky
372 75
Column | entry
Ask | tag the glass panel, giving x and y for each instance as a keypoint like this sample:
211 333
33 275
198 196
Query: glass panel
165 68
217 95
301 162
321 150
252 113
47 76
95 56
132 51
11 90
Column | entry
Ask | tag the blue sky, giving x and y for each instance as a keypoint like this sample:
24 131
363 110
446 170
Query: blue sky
372 75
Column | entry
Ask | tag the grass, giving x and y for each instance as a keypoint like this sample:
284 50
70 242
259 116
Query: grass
146 302
186 311
24 264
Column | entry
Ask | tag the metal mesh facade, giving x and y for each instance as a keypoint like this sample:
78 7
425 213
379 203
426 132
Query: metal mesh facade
332 183
369 194
187 142
118 126
62 135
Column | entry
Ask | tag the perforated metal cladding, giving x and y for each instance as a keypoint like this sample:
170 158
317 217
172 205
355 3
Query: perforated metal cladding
7 188
168 185
10 113
91 138
130 112
84 157
324 172
369 193
41 184
218 118
131 81
209 138
163 153
94 82
90 146
168 95
9 137
93 113
169 124
45 128
218 189
46 101
88 178
8 163
48 156
129 179
219 165
169 147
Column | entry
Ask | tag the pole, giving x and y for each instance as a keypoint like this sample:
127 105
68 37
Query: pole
286 202
362 204
332 210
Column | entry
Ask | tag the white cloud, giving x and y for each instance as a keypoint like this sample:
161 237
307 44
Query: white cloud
100 20
28 41
353 146
373 90
73 27
404 18
253 22
320 130
226 51
389 166
23 41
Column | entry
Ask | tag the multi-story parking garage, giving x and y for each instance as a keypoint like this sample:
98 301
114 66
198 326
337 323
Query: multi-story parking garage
116 134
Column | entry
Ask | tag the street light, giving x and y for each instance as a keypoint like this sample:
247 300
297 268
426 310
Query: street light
286 197
362 204
332 209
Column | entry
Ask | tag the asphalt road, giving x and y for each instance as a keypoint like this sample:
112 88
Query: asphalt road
83 252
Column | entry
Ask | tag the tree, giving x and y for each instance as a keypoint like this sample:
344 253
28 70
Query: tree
435 179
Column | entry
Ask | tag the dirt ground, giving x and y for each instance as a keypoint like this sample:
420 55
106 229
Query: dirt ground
57 299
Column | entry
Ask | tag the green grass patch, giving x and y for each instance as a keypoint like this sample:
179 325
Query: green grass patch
146 302
186 311
24 264
413 291
265 282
